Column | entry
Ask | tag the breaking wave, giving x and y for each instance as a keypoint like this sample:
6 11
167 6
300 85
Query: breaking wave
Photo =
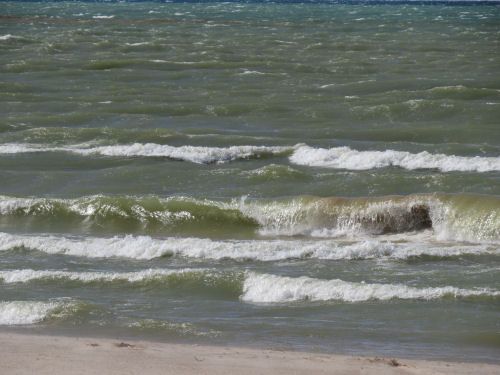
249 286
145 247
449 217
27 275
301 154
194 154
265 288
347 158
30 312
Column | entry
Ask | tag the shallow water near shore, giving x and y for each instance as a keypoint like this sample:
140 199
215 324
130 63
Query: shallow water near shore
315 177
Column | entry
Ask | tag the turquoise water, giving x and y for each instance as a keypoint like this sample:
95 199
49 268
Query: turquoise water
319 177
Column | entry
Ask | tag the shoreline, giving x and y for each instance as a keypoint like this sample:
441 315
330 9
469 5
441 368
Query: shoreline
43 354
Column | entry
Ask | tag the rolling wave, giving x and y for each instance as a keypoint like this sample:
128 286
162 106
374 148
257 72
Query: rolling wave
124 214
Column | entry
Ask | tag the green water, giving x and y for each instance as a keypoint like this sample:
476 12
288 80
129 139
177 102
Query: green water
319 177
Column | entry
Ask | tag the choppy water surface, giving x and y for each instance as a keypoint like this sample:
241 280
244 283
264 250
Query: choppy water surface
315 176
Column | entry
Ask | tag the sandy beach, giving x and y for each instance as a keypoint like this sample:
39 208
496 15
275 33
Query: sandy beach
30 354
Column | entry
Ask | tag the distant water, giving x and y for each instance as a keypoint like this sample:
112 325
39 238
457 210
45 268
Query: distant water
317 176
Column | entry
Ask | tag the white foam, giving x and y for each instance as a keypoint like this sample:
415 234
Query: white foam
347 158
25 312
16 148
145 247
103 17
26 275
11 204
141 247
254 72
265 288
7 37
136 44
194 154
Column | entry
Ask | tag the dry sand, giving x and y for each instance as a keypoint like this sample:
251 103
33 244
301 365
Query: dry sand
33 354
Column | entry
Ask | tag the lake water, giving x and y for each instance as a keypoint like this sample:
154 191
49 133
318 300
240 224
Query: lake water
318 176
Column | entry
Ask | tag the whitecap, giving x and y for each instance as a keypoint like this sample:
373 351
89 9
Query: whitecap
194 154
27 275
136 44
347 158
266 288
7 37
251 72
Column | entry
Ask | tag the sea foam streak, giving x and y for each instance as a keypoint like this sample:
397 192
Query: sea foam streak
265 288
194 154
145 247
27 312
347 158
